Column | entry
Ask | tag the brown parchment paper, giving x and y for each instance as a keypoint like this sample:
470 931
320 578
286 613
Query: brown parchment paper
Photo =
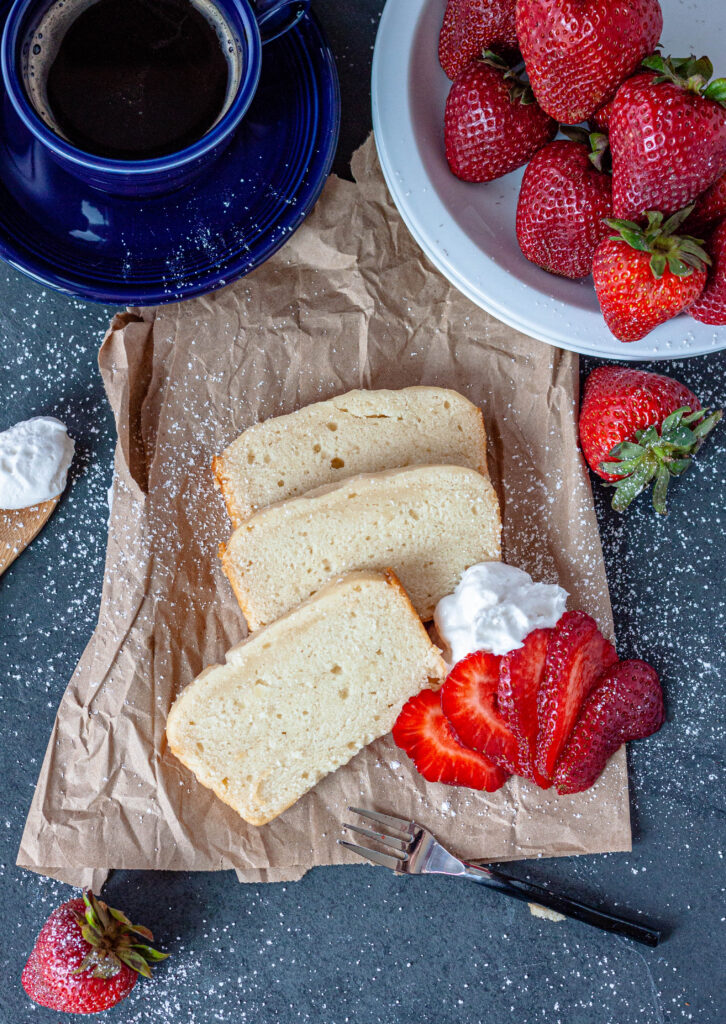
349 302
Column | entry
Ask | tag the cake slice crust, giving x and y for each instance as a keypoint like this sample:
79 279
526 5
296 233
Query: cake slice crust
301 697
427 523
359 432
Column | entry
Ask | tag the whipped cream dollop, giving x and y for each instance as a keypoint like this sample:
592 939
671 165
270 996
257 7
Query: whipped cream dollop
493 609
34 460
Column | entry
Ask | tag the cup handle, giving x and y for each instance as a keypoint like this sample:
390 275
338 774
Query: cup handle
275 17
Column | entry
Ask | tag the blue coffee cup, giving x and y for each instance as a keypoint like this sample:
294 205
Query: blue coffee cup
250 27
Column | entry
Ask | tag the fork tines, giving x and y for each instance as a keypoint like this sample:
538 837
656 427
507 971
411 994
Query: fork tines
395 836
373 855
394 824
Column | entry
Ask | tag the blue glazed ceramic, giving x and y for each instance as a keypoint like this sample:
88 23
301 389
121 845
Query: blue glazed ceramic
232 217
249 29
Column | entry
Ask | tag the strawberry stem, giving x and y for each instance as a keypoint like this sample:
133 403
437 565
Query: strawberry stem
657 454
597 143
520 90
690 73
110 935
681 254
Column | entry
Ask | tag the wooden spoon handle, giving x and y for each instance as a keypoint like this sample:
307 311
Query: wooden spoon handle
19 527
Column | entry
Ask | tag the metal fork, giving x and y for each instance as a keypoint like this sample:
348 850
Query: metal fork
410 849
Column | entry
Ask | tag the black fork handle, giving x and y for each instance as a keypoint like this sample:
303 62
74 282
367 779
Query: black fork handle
530 892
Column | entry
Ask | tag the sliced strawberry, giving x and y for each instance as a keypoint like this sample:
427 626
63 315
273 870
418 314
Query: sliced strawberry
577 656
429 739
520 676
627 704
469 701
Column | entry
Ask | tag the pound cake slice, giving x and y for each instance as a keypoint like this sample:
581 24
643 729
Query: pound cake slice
427 523
360 432
300 698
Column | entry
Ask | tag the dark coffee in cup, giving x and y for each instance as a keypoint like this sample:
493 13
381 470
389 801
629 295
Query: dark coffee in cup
131 79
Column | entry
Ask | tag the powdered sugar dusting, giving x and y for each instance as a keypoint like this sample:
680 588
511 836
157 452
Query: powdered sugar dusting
357 944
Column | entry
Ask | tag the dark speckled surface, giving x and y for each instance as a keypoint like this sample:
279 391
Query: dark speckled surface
357 944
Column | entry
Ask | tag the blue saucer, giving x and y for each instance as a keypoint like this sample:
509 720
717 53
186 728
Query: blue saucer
227 222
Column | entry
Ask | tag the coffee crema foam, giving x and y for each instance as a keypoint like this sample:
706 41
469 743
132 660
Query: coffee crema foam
41 44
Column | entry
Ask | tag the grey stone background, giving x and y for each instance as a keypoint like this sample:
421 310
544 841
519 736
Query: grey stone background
357 944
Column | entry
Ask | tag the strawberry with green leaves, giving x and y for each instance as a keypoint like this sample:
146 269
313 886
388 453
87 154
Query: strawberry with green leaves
637 428
491 123
472 26
667 136
646 275
87 957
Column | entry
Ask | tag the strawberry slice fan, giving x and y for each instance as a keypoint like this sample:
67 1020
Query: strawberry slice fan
552 711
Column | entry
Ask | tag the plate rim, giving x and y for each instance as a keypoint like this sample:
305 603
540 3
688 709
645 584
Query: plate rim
391 112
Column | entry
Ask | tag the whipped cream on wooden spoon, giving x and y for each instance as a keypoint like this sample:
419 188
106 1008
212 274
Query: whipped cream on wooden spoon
34 459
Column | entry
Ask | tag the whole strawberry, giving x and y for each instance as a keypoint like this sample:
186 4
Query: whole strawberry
472 26
667 136
563 200
710 308
644 276
87 958
492 124
637 426
577 52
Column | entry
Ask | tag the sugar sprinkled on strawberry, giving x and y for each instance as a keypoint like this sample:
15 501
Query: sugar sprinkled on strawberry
627 704
553 710
87 957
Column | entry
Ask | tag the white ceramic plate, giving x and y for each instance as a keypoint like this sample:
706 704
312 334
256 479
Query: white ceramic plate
468 230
